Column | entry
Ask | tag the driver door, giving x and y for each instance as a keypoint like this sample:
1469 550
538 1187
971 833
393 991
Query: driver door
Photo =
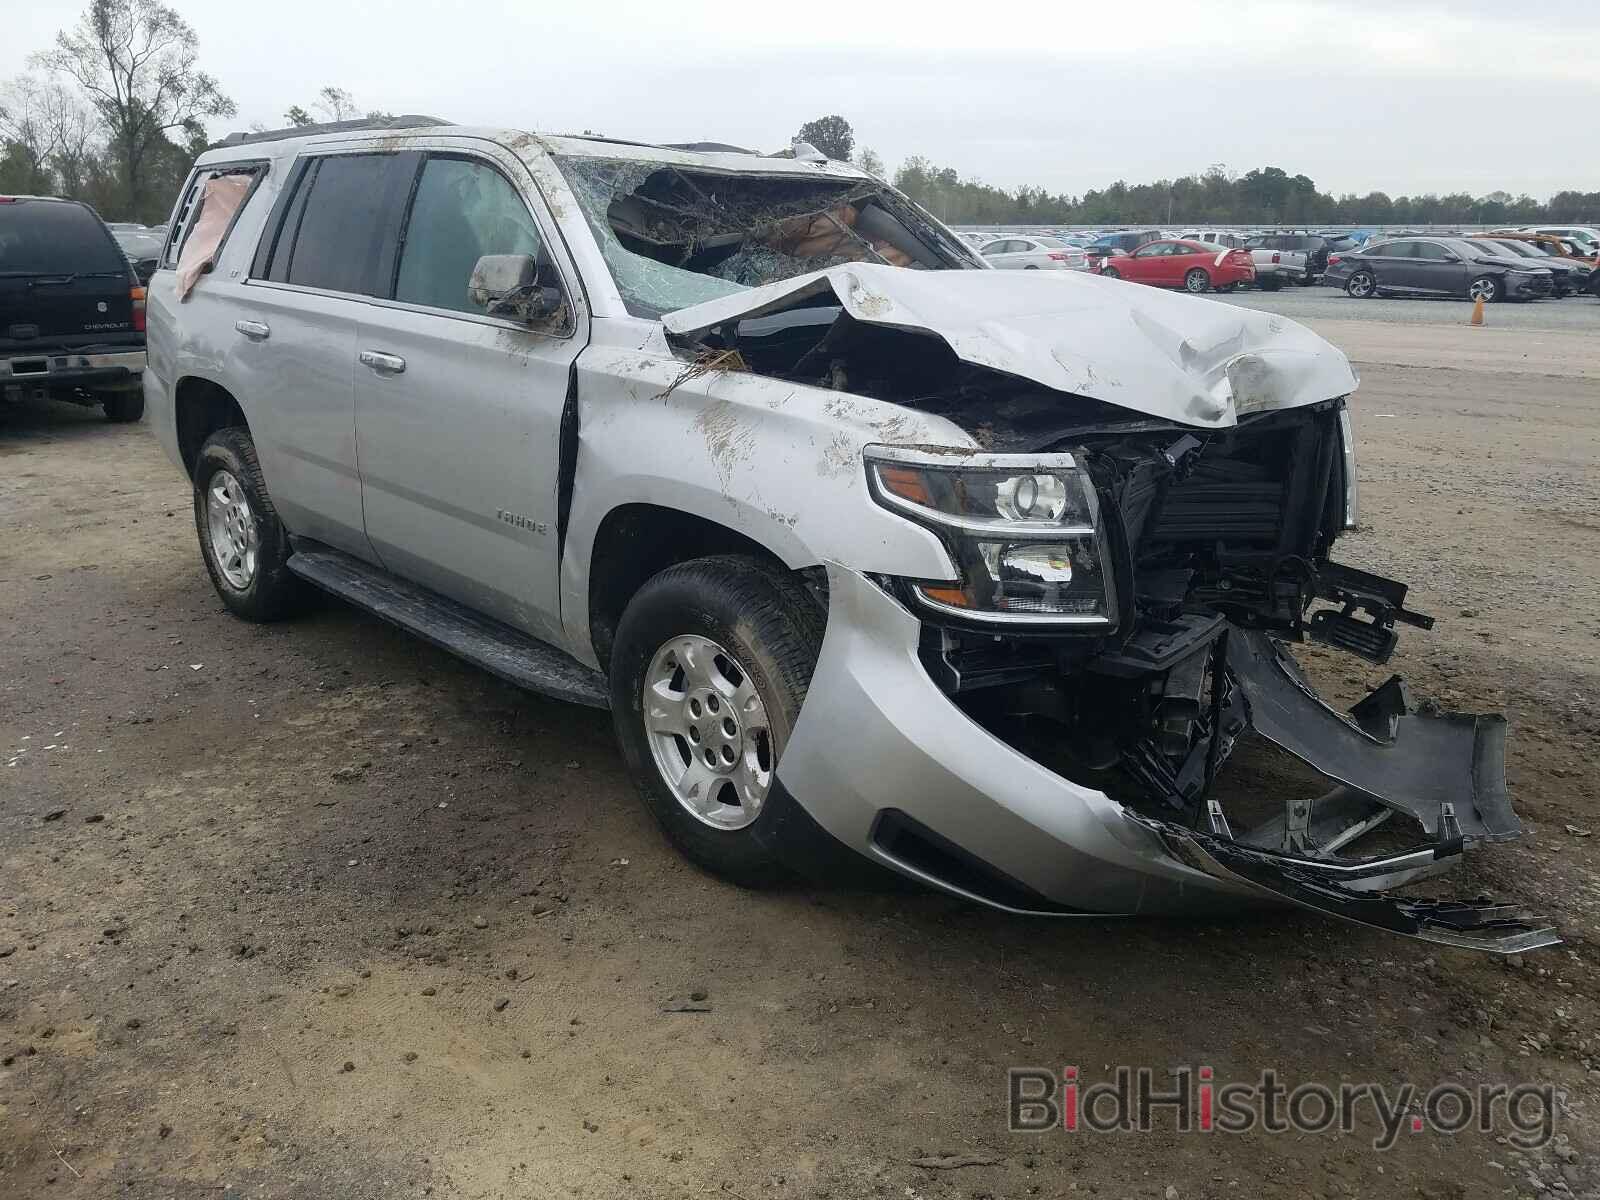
458 413
1439 271
1145 264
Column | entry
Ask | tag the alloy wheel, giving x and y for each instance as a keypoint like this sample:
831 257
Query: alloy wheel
235 544
708 732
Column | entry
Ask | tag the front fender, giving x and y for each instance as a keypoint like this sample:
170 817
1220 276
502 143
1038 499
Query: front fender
777 462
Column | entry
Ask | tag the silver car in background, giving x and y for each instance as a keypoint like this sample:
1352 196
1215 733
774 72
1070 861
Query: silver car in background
1034 252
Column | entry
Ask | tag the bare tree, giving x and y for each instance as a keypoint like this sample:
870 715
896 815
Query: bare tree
869 161
136 62
24 128
337 104
51 131
76 133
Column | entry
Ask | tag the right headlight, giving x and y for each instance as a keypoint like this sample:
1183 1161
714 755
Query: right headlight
1022 529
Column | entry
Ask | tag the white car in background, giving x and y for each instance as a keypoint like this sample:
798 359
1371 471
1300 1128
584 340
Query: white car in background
1015 252
1586 235
1216 237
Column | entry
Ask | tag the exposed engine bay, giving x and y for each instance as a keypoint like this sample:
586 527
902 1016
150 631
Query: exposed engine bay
1215 549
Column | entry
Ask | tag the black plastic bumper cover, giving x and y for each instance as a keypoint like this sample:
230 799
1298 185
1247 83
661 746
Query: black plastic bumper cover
1432 759
1495 928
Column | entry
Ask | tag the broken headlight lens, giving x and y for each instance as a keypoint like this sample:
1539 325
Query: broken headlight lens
1022 530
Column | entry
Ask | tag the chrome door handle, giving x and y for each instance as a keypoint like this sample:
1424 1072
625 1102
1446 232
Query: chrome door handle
256 331
389 364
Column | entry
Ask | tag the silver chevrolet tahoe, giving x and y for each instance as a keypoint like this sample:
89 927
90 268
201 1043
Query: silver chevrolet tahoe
874 554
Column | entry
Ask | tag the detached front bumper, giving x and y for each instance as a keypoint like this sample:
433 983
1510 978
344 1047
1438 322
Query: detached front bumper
885 762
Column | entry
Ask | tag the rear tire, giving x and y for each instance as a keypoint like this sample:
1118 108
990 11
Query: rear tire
244 544
1197 282
1110 273
1361 285
737 630
1270 283
123 407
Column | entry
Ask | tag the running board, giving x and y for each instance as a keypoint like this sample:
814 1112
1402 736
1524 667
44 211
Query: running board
499 649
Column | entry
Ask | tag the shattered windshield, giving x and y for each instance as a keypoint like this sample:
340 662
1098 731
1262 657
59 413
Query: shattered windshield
674 236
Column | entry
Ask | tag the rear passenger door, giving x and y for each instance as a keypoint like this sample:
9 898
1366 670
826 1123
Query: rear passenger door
1390 264
293 341
459 413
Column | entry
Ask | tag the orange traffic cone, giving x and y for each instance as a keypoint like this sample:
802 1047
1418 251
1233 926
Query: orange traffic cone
1477 312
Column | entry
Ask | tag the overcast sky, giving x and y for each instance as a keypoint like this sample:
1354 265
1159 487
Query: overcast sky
1397 95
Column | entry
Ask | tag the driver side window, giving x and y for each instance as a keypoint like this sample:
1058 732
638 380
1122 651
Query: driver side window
462 210
1151 250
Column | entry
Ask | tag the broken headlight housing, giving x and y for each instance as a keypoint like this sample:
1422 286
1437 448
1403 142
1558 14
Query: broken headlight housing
1022 529
1347 448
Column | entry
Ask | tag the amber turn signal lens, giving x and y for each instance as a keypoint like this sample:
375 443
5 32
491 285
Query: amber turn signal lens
954 597
906 483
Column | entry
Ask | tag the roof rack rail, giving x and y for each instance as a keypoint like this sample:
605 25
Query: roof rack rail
405 121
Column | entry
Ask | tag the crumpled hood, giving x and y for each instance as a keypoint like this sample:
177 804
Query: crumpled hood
1177 357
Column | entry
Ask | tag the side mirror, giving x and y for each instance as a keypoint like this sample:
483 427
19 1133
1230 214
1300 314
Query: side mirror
507 285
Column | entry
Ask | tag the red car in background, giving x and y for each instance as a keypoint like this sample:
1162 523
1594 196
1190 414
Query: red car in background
1193 266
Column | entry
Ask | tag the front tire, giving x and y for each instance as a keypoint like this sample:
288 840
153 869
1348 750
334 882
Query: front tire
1361 285
1269 283
1110 273
709 670
1486 288
244 544
1197 282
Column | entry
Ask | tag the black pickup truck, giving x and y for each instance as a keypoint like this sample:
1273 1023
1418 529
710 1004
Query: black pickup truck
71 308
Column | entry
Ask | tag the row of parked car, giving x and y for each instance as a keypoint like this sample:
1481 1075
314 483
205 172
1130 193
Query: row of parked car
141 244
1500 265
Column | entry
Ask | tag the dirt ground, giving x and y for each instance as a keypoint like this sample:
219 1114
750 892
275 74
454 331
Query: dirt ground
313 910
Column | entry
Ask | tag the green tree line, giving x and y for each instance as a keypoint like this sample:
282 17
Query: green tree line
1264 196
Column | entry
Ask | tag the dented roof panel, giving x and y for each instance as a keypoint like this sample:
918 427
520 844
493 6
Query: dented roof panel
1198 362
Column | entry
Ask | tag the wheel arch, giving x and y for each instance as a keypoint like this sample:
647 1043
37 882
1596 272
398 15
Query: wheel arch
200 407
635 541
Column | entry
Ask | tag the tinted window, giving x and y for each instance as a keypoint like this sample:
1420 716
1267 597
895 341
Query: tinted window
1151 250
339 231
462 210
48 237
1395 250
1432 251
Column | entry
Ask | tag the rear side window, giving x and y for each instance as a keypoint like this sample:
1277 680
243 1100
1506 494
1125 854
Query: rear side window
334 229
189 207
52 237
